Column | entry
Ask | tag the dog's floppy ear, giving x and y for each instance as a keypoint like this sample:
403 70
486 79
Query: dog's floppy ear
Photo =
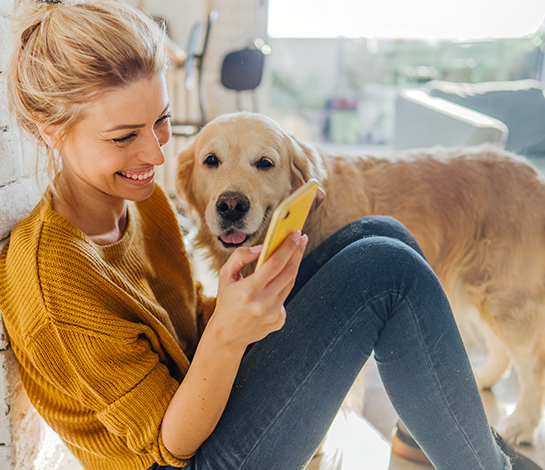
184 176
306 162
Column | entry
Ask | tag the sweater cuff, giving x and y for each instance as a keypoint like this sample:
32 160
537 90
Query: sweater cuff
136 417
184 459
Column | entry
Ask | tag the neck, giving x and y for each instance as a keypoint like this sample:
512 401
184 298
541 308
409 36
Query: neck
103 220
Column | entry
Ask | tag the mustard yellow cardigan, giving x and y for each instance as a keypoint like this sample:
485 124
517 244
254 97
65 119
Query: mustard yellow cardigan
103 334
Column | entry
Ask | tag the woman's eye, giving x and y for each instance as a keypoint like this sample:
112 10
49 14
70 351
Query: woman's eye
164 119
211 161
127 138
264 163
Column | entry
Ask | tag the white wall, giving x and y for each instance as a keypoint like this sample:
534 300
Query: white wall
19 426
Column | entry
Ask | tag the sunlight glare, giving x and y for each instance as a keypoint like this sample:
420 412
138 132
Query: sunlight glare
419 19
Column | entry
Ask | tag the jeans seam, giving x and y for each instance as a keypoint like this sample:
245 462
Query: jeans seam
331 345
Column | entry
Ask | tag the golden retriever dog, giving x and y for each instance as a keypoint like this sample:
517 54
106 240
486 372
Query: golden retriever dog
478 214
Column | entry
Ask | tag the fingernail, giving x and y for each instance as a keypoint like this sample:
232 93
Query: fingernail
256 249
296 235
304 240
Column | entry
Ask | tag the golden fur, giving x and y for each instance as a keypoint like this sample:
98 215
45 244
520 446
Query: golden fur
478 214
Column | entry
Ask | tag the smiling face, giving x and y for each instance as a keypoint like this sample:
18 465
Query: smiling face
111 154
236 173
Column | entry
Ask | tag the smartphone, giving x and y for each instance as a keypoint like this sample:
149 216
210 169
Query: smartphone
288 217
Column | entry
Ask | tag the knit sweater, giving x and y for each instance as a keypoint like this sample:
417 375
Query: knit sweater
103 334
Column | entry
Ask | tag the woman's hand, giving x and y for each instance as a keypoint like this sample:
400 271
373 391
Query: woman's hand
248 309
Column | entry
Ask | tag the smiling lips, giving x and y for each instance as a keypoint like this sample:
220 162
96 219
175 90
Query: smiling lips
134 176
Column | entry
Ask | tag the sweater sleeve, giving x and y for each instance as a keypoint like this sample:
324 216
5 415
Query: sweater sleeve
98 354
122 382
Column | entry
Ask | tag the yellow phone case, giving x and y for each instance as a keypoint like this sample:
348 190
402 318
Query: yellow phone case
288 217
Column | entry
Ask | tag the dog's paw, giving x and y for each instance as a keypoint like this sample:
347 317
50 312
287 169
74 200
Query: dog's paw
515 431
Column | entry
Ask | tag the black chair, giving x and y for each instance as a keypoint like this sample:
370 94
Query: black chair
193 70
241 71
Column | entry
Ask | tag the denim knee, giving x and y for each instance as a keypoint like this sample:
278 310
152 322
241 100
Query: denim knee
366 227
385 226
382 253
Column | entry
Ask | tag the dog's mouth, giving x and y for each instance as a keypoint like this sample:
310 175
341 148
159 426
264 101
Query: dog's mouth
232 238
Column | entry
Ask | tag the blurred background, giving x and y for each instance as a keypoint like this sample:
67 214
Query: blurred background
359 76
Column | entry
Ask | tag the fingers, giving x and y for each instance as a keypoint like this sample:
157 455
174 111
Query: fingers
249 309
278 261
240 258
285 280
280 274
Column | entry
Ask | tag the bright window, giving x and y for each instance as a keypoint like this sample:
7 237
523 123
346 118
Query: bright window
418 19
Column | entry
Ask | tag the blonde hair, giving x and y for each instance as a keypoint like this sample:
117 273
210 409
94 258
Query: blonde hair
67 53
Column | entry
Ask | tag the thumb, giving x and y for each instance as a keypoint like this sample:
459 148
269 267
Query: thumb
238 259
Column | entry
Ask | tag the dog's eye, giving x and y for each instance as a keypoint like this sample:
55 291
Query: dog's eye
211 161
264 163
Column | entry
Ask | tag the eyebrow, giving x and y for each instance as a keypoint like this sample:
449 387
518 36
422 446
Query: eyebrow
133 126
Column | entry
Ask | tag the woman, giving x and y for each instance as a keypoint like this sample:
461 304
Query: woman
119 351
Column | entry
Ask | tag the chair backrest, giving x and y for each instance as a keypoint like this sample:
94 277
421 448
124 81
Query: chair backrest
195 60
242 70
212 17
192 56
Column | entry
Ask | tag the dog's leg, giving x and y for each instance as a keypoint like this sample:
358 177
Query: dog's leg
519 427
497 361
474 333
517 321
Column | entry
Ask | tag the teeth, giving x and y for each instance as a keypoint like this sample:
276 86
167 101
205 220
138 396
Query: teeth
139 177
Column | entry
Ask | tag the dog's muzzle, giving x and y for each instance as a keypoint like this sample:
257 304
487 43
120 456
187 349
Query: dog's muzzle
232 206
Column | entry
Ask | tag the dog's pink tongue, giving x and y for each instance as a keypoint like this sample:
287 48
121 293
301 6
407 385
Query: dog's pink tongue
235 237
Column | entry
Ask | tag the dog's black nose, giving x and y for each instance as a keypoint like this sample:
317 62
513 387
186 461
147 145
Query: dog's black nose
232 206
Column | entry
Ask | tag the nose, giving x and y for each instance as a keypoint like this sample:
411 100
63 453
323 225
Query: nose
152 152
232 206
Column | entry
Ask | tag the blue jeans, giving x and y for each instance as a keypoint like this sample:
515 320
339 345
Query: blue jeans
367 288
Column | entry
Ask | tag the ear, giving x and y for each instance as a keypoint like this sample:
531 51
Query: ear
49 134
184 176
306 162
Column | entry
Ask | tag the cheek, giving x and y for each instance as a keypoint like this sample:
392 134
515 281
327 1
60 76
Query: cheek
202 183
275 186
163 134
81 158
